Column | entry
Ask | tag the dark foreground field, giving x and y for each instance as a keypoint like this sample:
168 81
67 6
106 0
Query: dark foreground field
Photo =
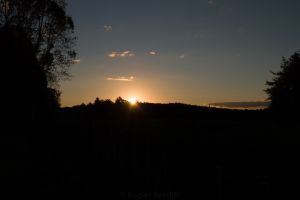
153 158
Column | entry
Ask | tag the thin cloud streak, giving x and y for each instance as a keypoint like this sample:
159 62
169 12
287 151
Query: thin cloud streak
76 61
121 78
107 28
153 53
182 56
123 54
242 105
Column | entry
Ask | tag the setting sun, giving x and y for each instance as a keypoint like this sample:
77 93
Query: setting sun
132 100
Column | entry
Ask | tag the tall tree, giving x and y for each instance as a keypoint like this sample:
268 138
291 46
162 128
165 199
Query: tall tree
36 50
284 89
50 30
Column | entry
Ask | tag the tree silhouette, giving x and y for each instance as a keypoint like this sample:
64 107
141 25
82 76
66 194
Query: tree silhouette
121 101
97 101
37 41
283 90
49 29
23 81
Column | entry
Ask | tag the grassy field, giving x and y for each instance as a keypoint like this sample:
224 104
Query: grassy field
153 158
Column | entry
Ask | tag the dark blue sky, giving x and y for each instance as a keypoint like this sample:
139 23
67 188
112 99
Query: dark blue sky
190 51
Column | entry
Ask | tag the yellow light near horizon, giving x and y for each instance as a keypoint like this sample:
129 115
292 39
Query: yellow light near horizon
132 100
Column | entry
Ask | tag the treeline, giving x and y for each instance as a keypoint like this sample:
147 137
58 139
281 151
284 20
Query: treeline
122 109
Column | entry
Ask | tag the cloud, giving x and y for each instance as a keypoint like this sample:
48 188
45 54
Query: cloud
210 2
107 28
153 53
76 61
121 78
112 54
182 56
123 54
242 105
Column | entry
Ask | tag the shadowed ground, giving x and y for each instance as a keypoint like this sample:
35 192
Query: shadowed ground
149 158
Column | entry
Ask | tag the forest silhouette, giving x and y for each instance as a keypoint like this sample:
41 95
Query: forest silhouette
115 150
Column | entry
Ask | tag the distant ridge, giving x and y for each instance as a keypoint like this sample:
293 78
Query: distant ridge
242 105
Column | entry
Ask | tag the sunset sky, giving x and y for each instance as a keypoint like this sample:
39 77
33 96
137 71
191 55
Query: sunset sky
189 51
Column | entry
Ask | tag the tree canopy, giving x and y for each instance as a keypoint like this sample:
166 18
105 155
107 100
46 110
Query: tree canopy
283 89
49 29
36 49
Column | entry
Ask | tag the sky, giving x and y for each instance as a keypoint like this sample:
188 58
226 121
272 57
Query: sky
189 51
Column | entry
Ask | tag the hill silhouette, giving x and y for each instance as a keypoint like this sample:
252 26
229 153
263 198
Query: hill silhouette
120 151
122 109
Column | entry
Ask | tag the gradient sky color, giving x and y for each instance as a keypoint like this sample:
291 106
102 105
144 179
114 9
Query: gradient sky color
189 51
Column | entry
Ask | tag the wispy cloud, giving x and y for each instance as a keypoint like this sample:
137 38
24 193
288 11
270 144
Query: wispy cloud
112 54
123 54
152 53
121 78
242 105
107 28
182 56
76 61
